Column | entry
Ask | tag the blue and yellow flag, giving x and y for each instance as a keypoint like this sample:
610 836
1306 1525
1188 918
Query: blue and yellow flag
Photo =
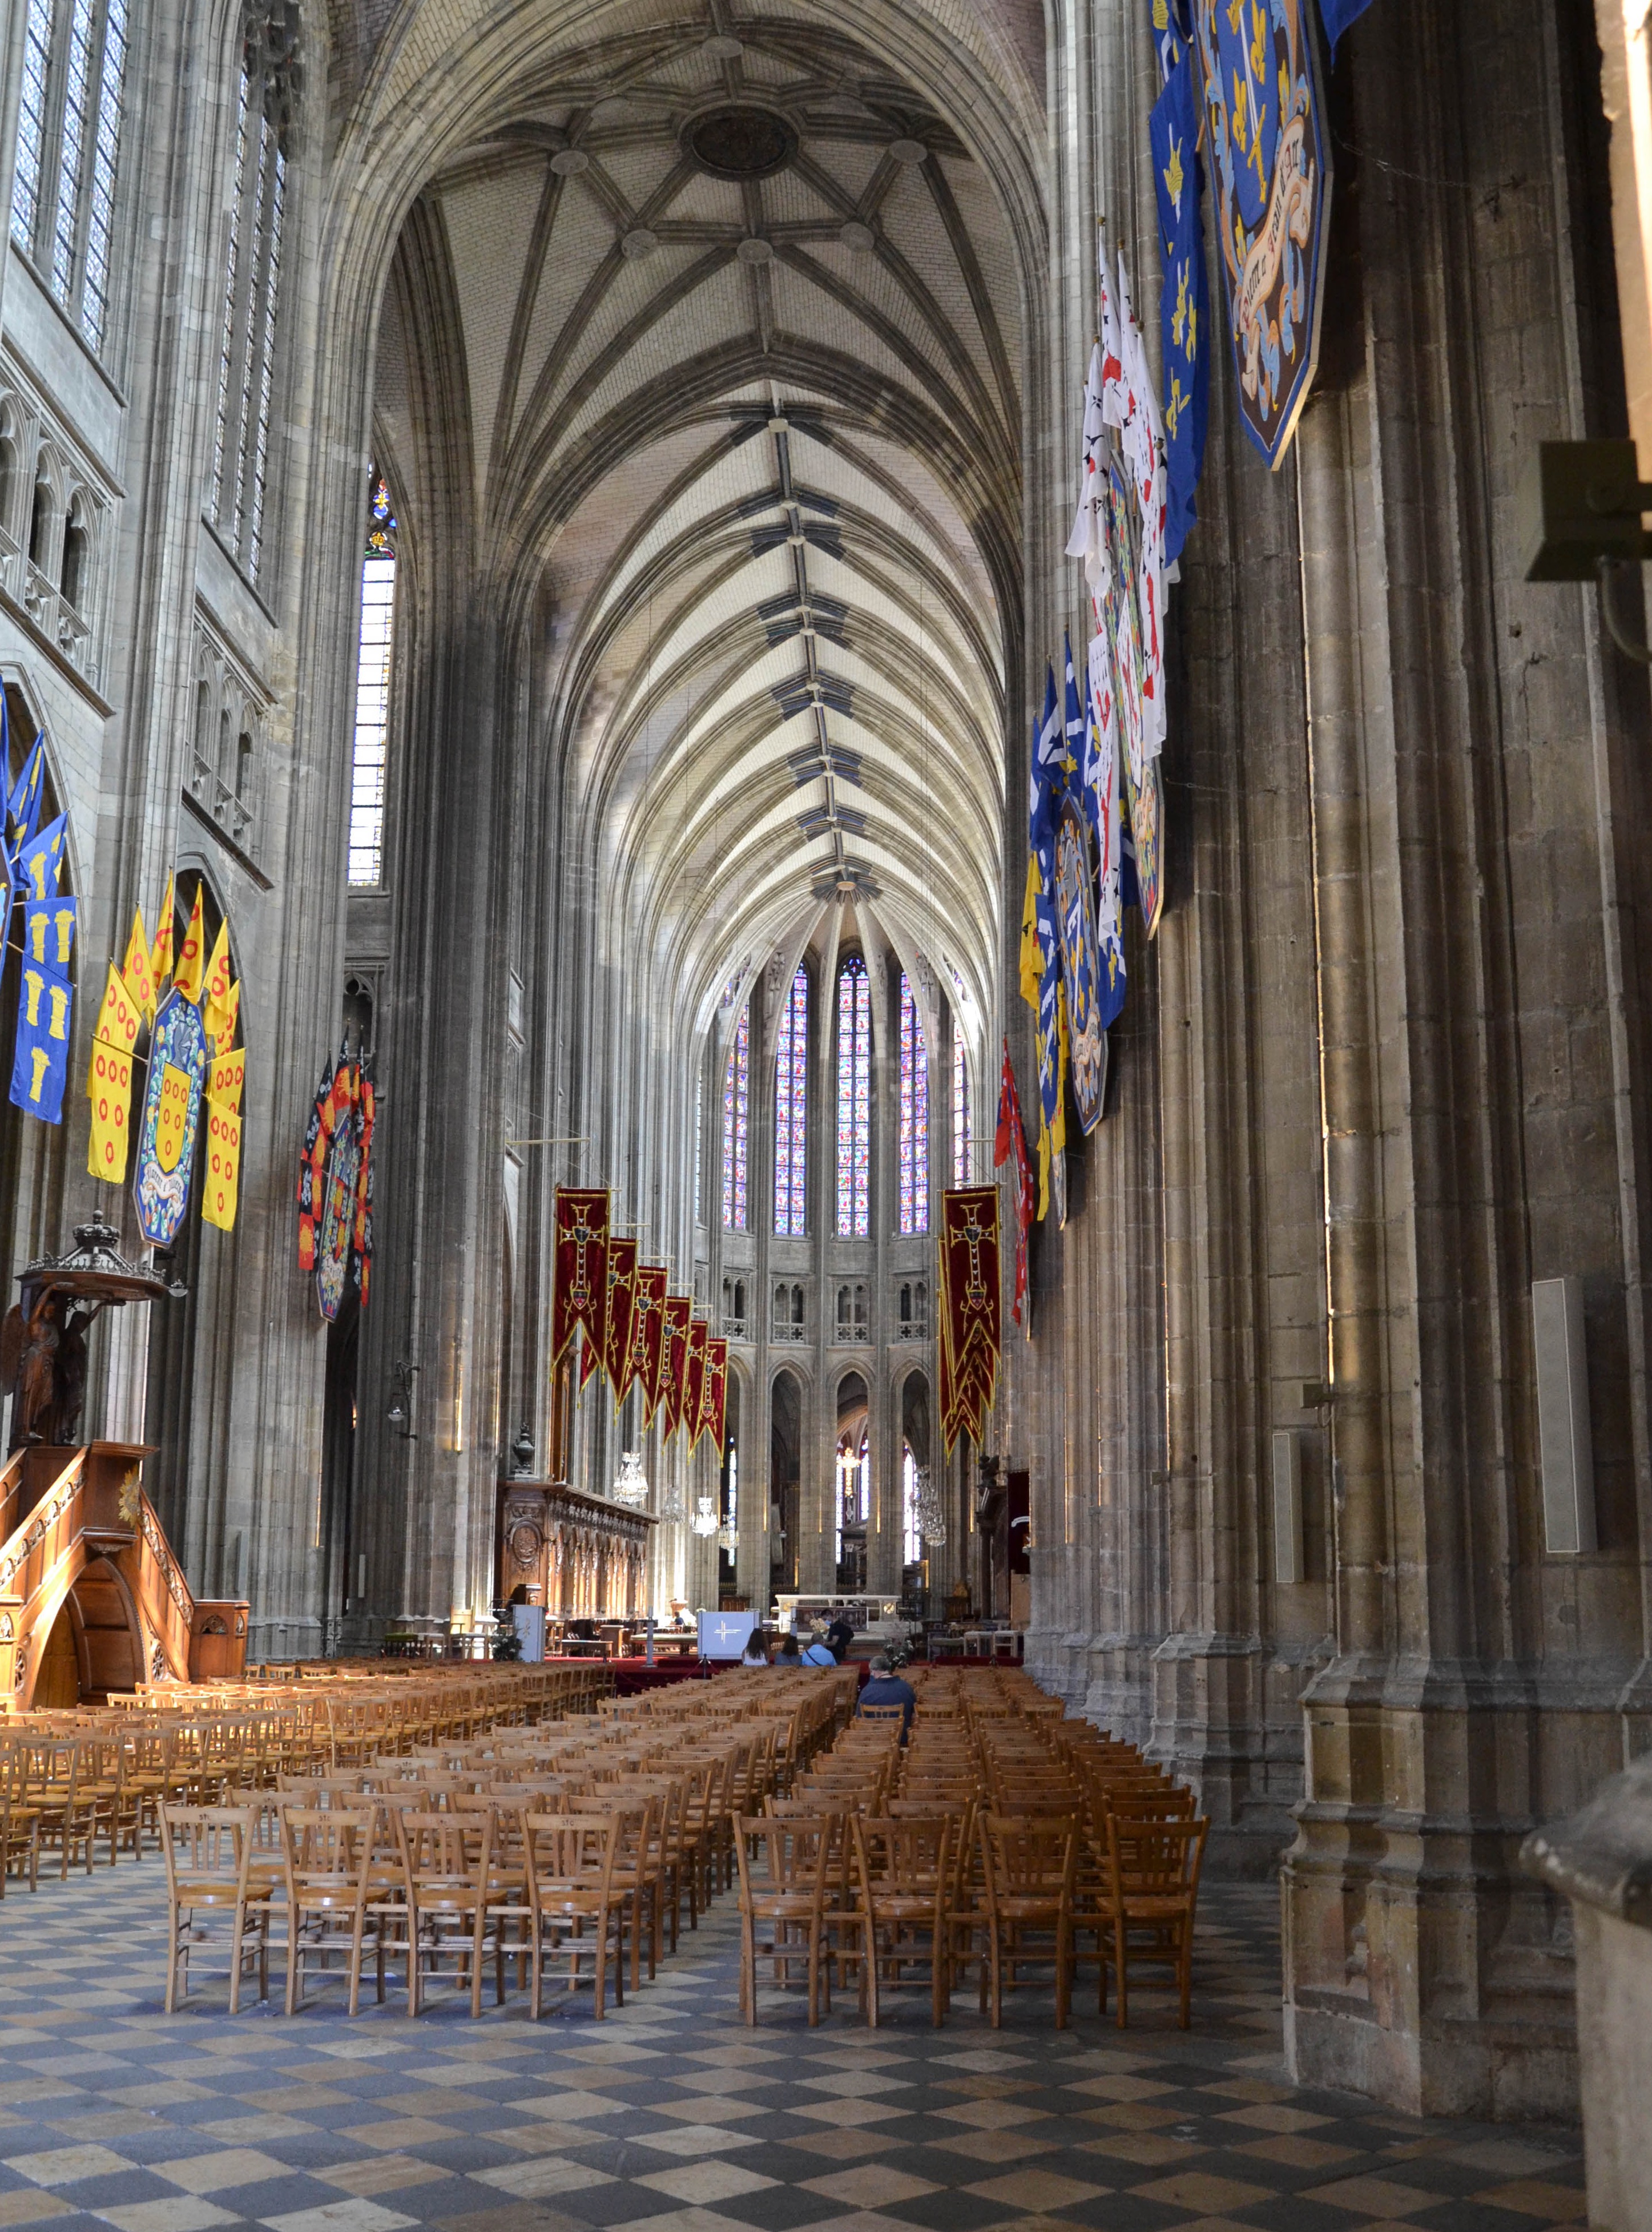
40 1066
1040 964
1184 302
40 862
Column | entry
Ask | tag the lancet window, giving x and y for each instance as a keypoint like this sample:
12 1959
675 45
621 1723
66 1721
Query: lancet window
737 1104
68 145
237 500
914 1124
854 1099
792 1108
961 1142
368 761
912 1532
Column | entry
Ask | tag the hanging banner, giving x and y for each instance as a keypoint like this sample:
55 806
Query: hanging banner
971 1328
361 1231
336 1220
160 955
1140 773
1010 1145
222 1178
39 1065
317 1137
109 1089
1075 922
715 1397
49 932
648 1290
1271 181
616 1340
694 1381
579 1275
679 1313
135 970
171 1114
1184 299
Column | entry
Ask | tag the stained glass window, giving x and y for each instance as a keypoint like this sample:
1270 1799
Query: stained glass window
246 379
792 1108
854 1099
62 212
911 1532
913 1120
736 1099
367 867
961 1142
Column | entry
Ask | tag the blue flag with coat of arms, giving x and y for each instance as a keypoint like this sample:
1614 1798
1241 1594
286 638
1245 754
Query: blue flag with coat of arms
1184 300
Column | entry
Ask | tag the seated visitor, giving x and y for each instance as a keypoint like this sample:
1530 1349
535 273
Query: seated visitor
788 1651
886 1688
818 1654
756 1651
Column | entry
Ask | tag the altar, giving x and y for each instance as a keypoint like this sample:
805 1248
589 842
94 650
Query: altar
578 1555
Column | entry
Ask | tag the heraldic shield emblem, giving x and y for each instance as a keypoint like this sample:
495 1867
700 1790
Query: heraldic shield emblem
338 1214
1075 920
171 1120
1271 176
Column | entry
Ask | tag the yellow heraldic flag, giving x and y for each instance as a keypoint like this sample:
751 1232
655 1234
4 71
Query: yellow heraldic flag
225 1079
120 1016
160 957
140 980
191 954
108 1085
215 986
226 1019
223 1166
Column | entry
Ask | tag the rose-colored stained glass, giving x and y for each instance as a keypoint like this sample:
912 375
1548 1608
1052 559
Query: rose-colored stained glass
792 1108
914 1117
736 1109
854 1099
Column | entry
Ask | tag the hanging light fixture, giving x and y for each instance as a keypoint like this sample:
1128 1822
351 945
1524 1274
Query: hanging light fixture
928 1510
728 1537
704 1520
672 1508
631 1483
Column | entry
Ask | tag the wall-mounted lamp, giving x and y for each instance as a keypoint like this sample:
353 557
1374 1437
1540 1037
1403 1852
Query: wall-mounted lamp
400 1413
1580 508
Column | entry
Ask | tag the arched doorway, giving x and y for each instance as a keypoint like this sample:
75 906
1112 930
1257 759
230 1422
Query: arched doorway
95 1644
852 1483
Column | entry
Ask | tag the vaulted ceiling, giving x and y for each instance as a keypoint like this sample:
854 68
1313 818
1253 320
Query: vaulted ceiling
738 318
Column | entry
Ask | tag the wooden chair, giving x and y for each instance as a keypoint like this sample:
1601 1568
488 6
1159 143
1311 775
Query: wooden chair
903 1889
452 1898
207 1850
784 1861
52 1774
1153 1890
577 1908
19 1825
327 1857
1029 1865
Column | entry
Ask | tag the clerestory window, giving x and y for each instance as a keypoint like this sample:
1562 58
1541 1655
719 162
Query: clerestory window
68 148
792 1108
914 1116
370 755
854 1099
237 499
736 1109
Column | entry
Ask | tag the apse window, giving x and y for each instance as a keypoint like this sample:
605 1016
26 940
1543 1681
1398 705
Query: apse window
736 1111
68 145
914 1121
854 1099
366 863
792 1108
238 497
961 1142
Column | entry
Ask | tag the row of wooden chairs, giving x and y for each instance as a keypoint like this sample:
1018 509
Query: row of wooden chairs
535 1852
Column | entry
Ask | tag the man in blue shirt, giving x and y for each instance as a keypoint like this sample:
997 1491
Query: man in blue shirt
886 1688
817 1654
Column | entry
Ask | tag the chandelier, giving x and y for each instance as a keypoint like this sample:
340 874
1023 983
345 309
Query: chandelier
728 1537
704 1520
631 1483
672 1508
928 1510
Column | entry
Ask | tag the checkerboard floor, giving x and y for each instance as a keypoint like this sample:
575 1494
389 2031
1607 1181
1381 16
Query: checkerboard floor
674 2116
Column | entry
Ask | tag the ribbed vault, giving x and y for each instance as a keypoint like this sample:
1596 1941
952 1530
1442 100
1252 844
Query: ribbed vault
738 320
